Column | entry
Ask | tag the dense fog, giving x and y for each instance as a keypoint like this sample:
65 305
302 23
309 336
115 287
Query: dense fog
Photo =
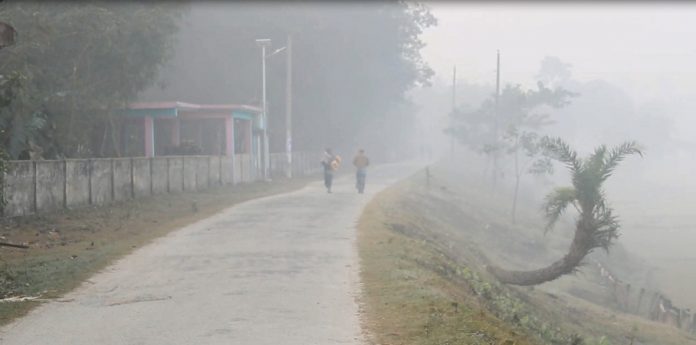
634 77
485 86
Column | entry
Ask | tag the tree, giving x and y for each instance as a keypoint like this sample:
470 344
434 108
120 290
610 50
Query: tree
8 36
554 72
511 126
352 66
533 161
596 225
74 63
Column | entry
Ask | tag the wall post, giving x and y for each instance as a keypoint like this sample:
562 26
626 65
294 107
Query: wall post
34 205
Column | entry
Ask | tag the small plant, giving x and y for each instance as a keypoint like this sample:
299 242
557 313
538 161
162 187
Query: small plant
603 340
576 340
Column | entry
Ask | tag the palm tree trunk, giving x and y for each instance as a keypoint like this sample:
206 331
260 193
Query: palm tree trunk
581 246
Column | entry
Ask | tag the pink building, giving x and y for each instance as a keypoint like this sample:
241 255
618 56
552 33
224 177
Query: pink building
175 128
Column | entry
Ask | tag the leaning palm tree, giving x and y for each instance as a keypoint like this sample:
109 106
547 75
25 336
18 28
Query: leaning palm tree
596 225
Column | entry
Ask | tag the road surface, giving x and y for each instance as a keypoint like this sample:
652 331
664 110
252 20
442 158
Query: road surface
277 270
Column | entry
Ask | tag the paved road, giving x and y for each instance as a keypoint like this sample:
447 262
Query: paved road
276 270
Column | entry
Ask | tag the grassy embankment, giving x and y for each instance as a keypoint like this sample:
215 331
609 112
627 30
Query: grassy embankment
66 248
423 255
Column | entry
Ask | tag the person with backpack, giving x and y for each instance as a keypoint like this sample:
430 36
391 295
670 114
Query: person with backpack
360 162
331 163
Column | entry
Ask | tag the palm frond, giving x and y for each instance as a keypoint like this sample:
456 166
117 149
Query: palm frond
556 203
606 226
595 161
559 150
617 155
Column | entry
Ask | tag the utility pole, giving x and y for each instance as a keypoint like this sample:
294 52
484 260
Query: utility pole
496 115
288 108
454 87
497 88
265 115
263 43
454 105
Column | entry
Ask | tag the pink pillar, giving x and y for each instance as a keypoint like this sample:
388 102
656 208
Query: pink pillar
249 136
149 136
229 136
176 132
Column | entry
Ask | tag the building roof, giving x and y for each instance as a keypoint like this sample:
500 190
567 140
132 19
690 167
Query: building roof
176 105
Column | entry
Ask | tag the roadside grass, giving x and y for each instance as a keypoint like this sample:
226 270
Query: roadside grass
425 282
68 247
409 296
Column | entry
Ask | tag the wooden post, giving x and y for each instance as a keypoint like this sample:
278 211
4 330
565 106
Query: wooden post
65 183
132 180
427 177
685 320
111 178
152 188
640 301
183 173
89 181
169 186
208 179
195 172
35 206
653 311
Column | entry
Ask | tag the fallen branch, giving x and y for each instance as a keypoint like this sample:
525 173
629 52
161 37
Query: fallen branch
20 246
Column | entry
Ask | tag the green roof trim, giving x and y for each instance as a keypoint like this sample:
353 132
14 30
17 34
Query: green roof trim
167 112
242 115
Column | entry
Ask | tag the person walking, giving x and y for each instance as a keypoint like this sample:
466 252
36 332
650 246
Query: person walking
331 163
361 162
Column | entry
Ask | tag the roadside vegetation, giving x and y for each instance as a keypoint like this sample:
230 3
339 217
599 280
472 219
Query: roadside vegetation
424 253
66 248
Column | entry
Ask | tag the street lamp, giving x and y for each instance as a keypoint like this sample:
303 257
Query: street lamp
263 43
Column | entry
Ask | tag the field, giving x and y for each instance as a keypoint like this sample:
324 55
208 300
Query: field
424 251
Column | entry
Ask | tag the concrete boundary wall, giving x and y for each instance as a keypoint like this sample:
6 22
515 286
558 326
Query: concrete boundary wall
32 187
303 163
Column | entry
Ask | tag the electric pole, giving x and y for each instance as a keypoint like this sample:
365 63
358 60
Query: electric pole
265 114
495 122
288 108
265 152
454 104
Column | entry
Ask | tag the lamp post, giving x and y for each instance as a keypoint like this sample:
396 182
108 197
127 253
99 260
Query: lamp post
288 109
263 43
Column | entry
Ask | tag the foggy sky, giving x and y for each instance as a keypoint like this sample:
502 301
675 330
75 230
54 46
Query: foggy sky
646 48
